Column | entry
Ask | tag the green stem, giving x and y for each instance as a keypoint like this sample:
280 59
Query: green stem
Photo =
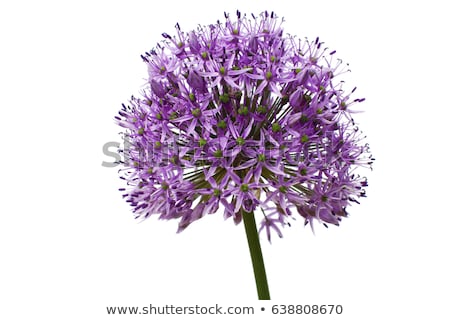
256 255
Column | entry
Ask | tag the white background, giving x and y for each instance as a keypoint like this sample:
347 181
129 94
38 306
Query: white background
69 246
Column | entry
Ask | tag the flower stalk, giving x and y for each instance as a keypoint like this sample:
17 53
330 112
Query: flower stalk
254 246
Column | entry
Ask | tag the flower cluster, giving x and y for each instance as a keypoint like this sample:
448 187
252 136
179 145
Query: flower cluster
239 116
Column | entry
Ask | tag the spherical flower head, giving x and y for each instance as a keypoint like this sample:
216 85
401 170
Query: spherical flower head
242 117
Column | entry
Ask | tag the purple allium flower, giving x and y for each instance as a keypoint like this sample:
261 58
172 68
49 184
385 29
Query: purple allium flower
240 116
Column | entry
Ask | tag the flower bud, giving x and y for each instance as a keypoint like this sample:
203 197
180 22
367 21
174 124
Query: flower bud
157 89
196 81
